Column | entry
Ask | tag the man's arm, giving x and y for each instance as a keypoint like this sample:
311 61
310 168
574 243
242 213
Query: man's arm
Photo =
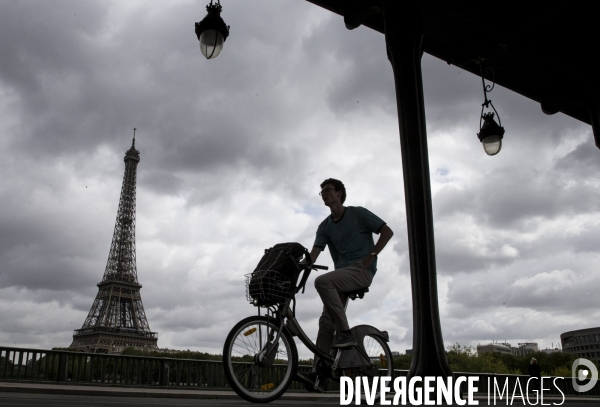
384 237
314 253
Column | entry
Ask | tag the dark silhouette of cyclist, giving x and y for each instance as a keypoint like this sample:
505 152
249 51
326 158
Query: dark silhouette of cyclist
348 233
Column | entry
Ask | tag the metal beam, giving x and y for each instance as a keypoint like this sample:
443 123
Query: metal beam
594 105
404 41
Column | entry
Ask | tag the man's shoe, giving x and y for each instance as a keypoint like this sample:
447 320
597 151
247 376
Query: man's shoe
344 340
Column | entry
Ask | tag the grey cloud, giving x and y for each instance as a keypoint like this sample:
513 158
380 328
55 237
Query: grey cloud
45 37
105 95
212 150
78 300
452 259
48 67
587 240
453 97
502 201
495 251
362 81
160 182
35 258
25 268
581 163
552 290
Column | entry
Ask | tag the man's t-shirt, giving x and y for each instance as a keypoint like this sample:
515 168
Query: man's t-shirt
350 239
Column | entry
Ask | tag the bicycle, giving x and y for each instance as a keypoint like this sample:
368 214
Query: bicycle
260 358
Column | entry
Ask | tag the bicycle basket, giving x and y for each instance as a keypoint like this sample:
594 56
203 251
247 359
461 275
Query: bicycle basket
267 287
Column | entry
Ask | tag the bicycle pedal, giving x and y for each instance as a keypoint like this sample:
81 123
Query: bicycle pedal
313 389
336 360
309 385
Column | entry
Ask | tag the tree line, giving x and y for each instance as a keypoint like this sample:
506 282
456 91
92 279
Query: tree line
462 358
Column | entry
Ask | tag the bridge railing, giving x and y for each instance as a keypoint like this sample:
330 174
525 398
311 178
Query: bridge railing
23 364
64 366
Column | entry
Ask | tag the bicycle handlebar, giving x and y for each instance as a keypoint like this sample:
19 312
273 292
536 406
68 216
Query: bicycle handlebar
312 266
307 267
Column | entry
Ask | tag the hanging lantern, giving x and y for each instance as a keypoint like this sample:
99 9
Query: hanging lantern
490 133
212 31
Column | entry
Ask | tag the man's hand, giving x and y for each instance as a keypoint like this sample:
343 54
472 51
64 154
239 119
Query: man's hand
367 261
384 236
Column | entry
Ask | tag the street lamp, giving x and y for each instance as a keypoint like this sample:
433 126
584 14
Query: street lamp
212 31
490 133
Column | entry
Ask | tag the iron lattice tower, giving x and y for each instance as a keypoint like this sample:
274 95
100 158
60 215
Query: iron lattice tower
117 319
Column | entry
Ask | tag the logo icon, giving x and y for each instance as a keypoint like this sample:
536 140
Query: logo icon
580 375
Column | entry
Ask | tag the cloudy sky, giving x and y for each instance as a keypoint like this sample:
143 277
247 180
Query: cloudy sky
232 154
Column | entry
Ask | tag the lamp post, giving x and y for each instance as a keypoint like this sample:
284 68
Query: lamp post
212 31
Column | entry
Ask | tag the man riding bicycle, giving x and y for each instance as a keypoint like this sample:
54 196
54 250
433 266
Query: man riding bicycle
348 232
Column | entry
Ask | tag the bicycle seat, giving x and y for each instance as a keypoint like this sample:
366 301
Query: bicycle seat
360 293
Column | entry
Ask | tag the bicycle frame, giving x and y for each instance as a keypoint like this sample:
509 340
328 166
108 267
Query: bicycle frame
284 312
296 330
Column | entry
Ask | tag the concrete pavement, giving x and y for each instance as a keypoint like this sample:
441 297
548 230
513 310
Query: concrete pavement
117 391
192 393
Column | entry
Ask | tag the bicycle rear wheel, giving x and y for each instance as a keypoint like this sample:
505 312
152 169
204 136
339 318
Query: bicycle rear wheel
383 365
256 380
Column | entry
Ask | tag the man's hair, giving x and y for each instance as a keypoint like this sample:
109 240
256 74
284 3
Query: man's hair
337 184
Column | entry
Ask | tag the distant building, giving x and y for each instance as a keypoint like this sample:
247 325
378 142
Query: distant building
525 348
395 354
508 349
583 343
550 350
409 351
504 348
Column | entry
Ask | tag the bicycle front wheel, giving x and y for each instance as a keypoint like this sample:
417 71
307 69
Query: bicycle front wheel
254 376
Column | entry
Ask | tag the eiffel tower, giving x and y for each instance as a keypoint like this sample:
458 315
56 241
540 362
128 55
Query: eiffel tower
117 319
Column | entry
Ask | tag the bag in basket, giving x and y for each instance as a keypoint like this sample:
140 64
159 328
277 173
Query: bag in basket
276 274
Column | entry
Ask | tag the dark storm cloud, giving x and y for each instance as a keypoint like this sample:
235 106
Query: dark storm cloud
41 245
25 268
451 259
226 144
160 182
554 280
71 99
506 204
207 151
34 257
362 81
47 37
582 163
47 64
